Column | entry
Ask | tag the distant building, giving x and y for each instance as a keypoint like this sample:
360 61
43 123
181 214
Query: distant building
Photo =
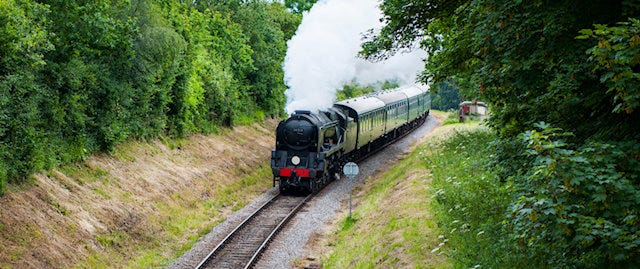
472 110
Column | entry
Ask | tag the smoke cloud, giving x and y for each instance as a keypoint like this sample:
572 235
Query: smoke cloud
322 56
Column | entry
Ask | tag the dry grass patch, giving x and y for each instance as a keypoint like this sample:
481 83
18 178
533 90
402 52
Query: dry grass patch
140 207
390 229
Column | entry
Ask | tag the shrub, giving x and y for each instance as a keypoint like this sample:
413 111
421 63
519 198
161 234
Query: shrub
578 208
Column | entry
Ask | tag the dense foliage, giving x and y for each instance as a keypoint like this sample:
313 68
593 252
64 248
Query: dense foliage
299 6
574 67
446 96
355 89
578 207
80 76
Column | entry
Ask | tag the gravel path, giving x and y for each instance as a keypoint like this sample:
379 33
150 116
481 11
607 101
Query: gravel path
290 243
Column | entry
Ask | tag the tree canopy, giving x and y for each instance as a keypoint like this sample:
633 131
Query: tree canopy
299 6
562 82
82 76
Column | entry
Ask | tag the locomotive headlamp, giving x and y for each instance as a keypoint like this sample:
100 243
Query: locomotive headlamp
295 160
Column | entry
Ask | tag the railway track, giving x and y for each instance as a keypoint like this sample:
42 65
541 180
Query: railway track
242 247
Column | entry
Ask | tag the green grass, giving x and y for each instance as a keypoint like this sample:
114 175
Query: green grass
452 117
174 143
391 225
101 192
469 202
440 207
84 172
58 207
112 239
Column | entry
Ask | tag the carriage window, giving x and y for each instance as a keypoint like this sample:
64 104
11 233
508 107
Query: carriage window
364 123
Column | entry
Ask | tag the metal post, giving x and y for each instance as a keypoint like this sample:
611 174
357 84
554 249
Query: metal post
350 170
350 195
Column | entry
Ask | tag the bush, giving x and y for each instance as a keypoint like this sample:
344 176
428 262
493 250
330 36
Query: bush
550 206
579 208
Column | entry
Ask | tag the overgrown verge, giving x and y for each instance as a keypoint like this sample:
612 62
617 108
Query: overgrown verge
470 203
576 182
392 225
140 207
440 207
573 208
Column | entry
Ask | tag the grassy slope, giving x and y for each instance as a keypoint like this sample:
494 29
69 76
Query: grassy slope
140 207
393 223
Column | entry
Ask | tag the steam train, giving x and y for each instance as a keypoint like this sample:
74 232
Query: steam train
312 147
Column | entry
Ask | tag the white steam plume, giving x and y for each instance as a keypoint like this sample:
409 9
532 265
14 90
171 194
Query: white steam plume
322 56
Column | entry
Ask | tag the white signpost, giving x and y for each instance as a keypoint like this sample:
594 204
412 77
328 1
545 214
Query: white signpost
350 170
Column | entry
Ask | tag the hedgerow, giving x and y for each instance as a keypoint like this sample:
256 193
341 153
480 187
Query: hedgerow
77 77
578 207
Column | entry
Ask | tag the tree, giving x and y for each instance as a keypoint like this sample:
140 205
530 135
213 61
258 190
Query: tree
447 97
90 74
267 27
24 41
525 60
353 90
299 6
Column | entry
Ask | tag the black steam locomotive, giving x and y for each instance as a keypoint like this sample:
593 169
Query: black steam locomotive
312 147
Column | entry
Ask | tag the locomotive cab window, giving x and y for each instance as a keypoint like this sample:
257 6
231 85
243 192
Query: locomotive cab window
330 137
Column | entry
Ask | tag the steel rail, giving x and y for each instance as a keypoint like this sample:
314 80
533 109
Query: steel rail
275 231
247 221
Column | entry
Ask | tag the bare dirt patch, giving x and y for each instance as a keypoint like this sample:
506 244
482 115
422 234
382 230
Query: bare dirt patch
113 206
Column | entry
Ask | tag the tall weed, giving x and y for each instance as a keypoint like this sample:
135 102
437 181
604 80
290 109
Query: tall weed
470 202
